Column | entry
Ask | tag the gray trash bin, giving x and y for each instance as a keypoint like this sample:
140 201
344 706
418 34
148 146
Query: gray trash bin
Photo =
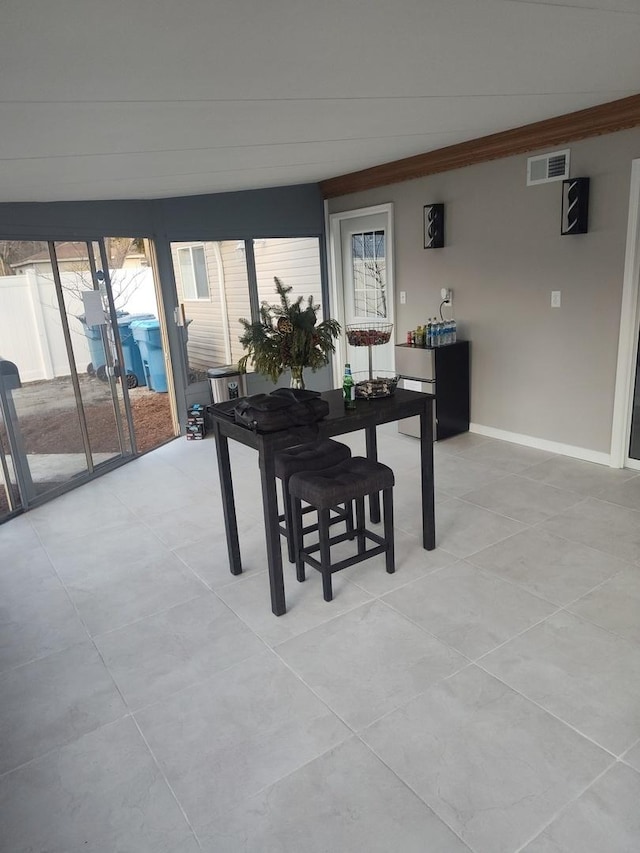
227 383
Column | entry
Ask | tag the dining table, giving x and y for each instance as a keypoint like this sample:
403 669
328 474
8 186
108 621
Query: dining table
367 416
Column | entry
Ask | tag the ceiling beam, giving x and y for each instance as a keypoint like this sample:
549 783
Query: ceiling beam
605 118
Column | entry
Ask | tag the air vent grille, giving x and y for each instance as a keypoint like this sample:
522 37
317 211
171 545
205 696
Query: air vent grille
548 167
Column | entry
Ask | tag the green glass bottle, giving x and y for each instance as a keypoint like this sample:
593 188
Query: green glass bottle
348 388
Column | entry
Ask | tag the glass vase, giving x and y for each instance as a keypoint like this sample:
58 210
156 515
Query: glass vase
297 379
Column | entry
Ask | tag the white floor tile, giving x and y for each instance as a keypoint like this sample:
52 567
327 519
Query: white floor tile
469 610
111 596
53 701
36 615
346 800
605 817
586 676
505 456
411 562
615 605
548 565
632 757
586 478
372 661
463 528
626 493
492 765
157 656
602 525
306 607
102 792
457 476
522 499
224 740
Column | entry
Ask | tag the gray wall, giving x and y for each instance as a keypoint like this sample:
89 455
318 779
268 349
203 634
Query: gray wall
276 212
536 371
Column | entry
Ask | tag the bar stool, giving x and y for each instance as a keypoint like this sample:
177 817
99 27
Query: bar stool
352 480
314 456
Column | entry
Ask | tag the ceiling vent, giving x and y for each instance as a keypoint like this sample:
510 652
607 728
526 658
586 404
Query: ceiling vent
548 167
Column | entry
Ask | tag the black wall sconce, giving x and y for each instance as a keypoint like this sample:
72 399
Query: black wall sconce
575 206
434 226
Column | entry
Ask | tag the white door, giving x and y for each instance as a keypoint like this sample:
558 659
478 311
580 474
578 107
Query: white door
363 269
625 434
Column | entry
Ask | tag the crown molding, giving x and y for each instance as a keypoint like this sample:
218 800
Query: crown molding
594 121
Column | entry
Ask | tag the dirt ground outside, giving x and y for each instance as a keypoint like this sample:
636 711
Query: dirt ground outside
49 422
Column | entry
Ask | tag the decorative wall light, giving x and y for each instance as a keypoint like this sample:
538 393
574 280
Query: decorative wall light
575 206
434 226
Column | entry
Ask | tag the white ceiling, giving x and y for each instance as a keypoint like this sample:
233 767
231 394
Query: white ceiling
105 99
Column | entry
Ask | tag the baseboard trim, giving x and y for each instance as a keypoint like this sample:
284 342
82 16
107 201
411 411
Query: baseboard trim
542 444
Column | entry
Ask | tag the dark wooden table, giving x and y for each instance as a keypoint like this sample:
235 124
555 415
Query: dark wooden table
367 415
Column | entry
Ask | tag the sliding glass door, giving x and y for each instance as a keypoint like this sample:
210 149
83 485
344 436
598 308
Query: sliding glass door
63 394
634 441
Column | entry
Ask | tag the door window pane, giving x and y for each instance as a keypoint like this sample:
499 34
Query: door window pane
368 264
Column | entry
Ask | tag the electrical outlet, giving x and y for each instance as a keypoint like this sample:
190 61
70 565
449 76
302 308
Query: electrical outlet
403 297
446 294
556 300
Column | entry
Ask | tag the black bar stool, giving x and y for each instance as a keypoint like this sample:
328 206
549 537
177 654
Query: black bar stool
352 480
314 456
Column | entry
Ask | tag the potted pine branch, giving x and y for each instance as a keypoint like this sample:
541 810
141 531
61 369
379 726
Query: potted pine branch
288 336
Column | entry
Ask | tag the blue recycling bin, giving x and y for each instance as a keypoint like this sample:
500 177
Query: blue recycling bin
134 368
96 349
146 333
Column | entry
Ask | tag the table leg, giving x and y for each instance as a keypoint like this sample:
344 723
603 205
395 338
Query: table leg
426 466
372 453
272 532
228 503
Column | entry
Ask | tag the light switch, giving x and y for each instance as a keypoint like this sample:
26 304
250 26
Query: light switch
403 297
555 299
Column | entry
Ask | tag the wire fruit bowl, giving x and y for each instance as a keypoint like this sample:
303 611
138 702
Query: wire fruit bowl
370 388
369 335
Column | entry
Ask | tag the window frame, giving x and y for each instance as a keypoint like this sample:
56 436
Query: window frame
196 297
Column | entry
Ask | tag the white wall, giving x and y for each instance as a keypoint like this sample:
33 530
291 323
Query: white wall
538 372
30 328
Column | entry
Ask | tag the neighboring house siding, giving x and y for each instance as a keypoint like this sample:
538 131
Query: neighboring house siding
237 290
295 261
206 341
205 346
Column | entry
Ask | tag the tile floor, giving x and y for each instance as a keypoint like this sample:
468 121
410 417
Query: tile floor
486 697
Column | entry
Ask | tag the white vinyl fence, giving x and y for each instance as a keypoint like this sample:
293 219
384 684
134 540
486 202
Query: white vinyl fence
30 326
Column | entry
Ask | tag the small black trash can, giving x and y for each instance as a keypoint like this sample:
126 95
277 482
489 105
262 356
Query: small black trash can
227 383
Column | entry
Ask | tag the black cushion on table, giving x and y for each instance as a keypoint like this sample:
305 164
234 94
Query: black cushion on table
351 479
313 456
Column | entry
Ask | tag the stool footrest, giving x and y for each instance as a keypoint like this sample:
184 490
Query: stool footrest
341 515
342 537
348 561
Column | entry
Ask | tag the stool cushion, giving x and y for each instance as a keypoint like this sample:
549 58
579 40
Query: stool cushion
351 479
313 456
